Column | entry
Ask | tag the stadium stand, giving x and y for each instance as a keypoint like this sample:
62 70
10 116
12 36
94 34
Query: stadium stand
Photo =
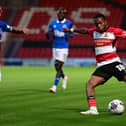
79 12
4 10
33 52
121 2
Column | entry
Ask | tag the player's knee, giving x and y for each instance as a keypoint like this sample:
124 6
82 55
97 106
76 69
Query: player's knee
93 84
90 84
58 67
124 79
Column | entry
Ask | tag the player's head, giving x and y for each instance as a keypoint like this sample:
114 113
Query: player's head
61 13
100 22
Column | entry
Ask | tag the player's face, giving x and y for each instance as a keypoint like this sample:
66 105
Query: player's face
61 15
101 24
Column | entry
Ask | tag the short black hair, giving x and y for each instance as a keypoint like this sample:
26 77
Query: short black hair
98 15
62 10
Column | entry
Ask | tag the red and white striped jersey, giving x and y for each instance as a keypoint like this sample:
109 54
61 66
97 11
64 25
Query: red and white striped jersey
105 48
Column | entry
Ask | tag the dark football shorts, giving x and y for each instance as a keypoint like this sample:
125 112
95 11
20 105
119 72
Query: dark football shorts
115 69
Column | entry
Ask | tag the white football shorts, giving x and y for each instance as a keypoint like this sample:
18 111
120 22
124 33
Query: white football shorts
60 54
3 37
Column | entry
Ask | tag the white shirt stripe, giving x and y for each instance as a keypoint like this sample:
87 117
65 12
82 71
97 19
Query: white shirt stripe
104 49
108 62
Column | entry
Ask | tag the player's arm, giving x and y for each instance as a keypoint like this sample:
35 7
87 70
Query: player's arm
119 33
50 33
77 30
19 31
8 28
70 34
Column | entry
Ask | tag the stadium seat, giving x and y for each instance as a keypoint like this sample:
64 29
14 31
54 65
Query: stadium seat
87 9
34 53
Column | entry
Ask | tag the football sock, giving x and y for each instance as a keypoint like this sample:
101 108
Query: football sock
56 81
91 101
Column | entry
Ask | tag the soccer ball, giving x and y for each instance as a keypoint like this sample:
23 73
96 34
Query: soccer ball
116 106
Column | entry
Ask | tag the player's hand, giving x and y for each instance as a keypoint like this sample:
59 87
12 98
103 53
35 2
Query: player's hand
49 34
26 30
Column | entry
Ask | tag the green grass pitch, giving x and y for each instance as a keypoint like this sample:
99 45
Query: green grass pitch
26 101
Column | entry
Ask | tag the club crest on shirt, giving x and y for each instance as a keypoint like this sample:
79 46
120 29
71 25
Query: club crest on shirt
54 26
64 26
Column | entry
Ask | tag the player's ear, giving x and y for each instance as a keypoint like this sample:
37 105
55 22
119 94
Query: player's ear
0 9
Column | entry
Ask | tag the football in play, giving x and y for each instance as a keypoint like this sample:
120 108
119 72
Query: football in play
116 106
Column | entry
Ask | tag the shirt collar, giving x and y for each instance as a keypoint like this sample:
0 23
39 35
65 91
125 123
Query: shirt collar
61 21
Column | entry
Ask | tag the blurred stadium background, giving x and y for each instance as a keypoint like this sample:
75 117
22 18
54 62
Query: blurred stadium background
34 49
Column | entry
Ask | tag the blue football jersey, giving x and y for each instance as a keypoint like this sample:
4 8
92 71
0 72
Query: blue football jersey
4 27
60 38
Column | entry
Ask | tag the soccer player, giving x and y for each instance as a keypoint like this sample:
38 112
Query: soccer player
60 45
4 27
108 61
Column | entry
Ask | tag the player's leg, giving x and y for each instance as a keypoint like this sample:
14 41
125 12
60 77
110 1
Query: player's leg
60 57
60 73
64 77
90 93
124 78
64 82
58 68
100 76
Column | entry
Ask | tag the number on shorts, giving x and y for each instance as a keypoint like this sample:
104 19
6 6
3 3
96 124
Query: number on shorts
120 67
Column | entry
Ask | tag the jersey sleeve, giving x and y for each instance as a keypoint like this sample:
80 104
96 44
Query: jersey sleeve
71 33
120 33
90 31
49 34
50 27
5 27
